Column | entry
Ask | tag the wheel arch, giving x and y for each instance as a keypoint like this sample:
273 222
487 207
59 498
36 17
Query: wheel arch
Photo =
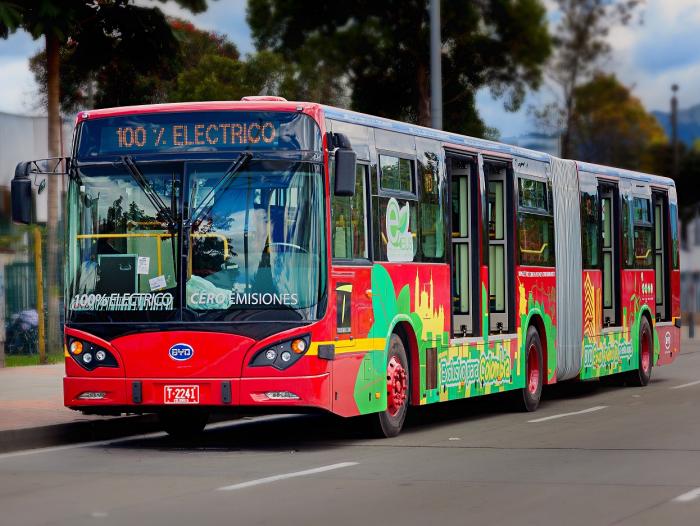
535 320
404 330
645 312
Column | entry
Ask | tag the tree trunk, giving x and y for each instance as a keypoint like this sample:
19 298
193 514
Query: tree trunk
424 115
54 332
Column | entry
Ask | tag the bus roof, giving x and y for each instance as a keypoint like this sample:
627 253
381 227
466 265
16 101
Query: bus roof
255 105
621 172
354 117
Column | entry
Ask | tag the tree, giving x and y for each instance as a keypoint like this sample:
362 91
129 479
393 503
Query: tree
113 80
580 45
610 126
380 50
57 21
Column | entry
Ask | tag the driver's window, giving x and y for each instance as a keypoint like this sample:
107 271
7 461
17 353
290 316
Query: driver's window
349 220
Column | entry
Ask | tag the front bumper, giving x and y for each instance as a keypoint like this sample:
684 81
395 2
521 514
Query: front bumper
312 391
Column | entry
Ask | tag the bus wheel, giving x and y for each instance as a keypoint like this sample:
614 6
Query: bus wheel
388 423
182 423
641 376
528 398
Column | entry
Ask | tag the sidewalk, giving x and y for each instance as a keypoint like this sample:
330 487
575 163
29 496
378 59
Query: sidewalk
32 412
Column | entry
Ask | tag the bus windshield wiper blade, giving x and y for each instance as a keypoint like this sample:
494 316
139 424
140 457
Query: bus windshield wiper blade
152 196
235 167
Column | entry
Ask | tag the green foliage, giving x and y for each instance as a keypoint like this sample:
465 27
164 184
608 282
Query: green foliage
379 51
196 65
610 126
106 73
223 78
580 45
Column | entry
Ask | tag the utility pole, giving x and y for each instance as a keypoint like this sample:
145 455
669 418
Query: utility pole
435 66
674 130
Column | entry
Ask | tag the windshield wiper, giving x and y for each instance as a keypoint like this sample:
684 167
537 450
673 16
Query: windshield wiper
208 202
152 196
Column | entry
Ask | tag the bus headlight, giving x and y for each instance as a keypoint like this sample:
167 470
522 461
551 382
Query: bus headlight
283 354
90 356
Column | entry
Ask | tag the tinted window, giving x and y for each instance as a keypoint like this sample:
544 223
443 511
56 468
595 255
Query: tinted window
349 227
590 229
432 217
396 173
535 223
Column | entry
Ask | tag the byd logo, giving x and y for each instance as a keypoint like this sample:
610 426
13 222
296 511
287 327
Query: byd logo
181 352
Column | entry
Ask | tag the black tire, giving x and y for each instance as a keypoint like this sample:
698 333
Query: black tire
641 376
183 423
527 399
388 423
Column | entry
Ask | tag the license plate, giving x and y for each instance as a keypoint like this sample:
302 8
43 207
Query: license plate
181 394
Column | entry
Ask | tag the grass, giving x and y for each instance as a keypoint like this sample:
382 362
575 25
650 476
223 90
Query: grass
19 360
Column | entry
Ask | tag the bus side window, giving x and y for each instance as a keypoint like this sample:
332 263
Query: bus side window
432 217
590 228
349 220
535 223
643 234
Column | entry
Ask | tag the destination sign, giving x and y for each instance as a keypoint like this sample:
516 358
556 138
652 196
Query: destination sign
197 131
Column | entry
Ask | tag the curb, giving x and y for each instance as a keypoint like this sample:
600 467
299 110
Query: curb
76 432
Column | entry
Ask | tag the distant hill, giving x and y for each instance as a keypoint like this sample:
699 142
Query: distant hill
688 124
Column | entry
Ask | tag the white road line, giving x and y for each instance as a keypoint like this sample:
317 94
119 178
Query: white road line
53 449
157 434
283 476
687 497
562 415
696 382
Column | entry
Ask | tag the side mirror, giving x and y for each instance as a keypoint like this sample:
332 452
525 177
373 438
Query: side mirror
345 173
21 189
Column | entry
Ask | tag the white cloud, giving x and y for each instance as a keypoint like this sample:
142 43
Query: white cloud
17 92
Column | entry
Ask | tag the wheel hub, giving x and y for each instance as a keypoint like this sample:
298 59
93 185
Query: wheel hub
646 351
533 370
396 386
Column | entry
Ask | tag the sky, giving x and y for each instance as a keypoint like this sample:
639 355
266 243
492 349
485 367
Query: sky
648 58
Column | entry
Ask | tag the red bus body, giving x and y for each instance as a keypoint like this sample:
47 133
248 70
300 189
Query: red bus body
344 372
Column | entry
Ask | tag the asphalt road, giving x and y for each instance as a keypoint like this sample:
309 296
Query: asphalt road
610 456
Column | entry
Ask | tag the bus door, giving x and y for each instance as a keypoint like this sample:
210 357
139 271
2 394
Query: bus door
500 212
463 172
661 255
610 248
351 260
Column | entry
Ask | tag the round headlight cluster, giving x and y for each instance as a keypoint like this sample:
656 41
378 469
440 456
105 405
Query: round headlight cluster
90 356
281 355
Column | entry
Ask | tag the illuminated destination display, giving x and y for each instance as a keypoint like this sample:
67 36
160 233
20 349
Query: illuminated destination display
197 131
211 134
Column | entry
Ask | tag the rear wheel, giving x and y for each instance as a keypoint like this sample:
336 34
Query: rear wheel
641 376
183 423
528 398
388 423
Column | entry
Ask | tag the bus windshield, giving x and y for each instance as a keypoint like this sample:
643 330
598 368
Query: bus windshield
248 242
256 239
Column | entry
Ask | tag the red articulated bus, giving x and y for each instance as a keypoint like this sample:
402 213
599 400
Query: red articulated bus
272 254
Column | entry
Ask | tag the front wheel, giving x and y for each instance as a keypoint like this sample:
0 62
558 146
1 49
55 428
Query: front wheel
389 422
641 376
527 399
182 423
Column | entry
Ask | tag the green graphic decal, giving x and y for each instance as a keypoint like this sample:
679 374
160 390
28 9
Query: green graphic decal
399 240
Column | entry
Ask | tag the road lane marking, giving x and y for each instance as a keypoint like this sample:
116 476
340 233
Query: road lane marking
696 382
562 415
283 476
687 497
